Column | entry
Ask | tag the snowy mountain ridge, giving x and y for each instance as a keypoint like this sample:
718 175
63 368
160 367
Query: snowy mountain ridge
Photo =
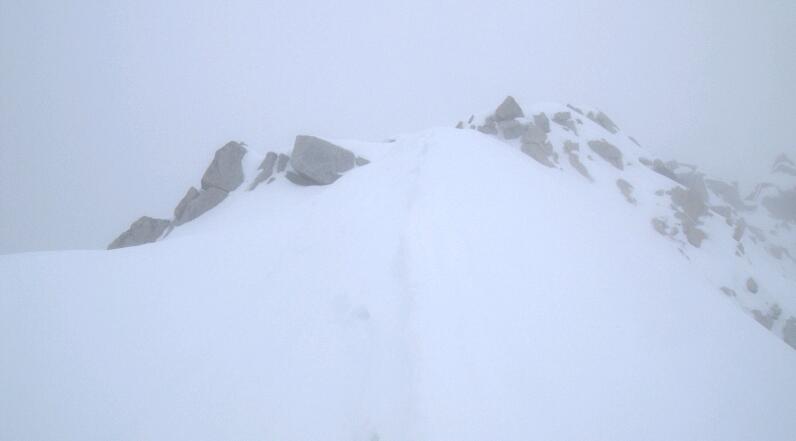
531 275
687 207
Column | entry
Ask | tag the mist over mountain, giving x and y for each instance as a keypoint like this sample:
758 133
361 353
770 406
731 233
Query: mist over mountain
529 272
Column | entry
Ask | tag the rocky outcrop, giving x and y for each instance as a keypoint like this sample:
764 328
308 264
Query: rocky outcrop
319 161
226 170
609 152
535 145
511 129
144 230
266 170
196 203
627 190
572 149
564 119
541 121
508 109
729 193
768 318
603 120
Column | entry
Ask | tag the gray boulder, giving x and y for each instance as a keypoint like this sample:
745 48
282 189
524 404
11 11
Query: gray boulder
603 120
609 152
320 161
195 204
509 109
226 170
266 170
360 161
144 230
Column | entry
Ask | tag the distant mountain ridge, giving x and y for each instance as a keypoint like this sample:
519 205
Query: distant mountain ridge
691 207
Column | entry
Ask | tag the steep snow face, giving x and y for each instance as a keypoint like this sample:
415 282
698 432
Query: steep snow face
457 287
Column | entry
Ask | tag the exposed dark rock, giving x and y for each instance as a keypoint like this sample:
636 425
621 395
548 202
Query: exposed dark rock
180 208
740 228
460 125
564 119
689 205
541 121
320 161
266 170
144 230
627 190
226 170
360 161
511 129
769 318
195 205
572 149
751 285
603 120
535 145
577 110
299 179
728 291
609 152
509 109
660 167
728 193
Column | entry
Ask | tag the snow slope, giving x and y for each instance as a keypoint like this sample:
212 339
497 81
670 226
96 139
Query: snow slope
452 289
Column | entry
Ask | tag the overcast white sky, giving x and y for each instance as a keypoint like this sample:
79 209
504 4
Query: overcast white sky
110 110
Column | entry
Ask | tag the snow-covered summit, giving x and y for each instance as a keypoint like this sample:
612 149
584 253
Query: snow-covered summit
534 274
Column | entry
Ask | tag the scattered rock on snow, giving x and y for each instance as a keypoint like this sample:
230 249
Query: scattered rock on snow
627 190
609 152
144 230
751 285
603 120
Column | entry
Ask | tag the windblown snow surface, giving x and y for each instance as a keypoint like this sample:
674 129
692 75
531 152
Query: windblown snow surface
451 290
